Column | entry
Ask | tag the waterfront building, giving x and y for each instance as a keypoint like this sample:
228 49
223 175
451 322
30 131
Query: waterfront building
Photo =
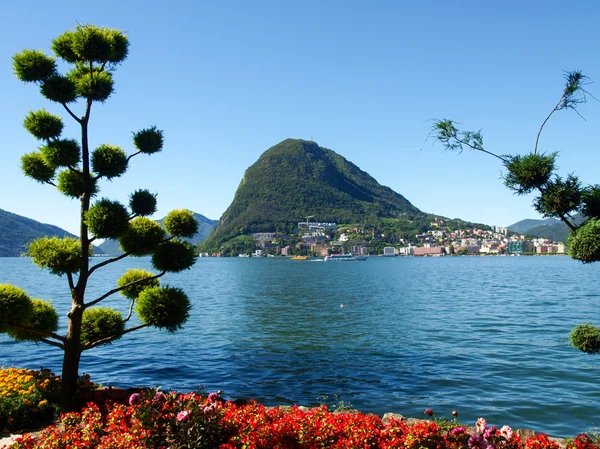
389 251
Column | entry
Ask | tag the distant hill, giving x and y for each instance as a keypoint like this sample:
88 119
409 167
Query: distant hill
298 178
523 226
205 226
17 231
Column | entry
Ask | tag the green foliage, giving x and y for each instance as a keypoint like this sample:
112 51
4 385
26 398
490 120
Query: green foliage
174 256
33 66
59 255
163 307
95 85
586 338
62 153
71 184
526 173
591 201
109 161
134 275
584 243
181 223
43 317
107 219
59 88
99 323
149 140
559 197
43 125
142 237
142 202
35 166
15 307
296 178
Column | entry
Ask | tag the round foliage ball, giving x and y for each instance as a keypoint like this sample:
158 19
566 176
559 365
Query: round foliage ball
43 317
142 237
591 201
181 223
109 161
35 166
62 153
119 45
71 184
136 275
62 47
33 66
142 202
95 86
174 256
43 125
59 88
149 140
15 307
163 307
59 255
584 243
99 323
586 338
107 219
90 43
529 172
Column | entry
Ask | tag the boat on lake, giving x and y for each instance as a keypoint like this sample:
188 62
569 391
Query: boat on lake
300 258
344 258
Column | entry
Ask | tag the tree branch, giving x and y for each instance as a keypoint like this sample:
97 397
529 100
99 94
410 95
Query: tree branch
477 148
114 337
71 283
130 311
115 290
106 262
53 343
556 108
77 119
38 332
134 154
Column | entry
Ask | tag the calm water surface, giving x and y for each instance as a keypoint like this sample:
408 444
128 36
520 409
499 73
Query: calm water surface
482 335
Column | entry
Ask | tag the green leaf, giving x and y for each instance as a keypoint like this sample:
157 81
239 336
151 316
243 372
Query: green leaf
584 243
107 219
142 202
174 256
59 88
35 166
142 237
586 338
181 223
43 125
59 255
109 161
71 184
15 307
62 153
526 173
163 307
33 66
148 140
99 323
43 318
134 275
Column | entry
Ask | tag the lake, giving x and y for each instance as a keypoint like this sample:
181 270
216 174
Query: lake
486 336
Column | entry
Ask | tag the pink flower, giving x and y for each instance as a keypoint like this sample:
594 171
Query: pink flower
506 432
428 412
213 396
490 432
134 399
183 415
480 425
458 431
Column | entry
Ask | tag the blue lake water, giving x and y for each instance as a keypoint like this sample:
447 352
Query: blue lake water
486 336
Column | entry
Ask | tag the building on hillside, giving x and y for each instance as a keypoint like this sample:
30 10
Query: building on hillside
431 251
286 250
312 227
519 247
406 251
389 251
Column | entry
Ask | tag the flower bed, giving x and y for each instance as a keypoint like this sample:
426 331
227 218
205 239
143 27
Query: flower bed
154 419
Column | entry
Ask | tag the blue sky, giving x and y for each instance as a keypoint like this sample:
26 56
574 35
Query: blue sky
227 80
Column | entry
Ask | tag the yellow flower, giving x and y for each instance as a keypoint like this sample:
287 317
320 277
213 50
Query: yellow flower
42 403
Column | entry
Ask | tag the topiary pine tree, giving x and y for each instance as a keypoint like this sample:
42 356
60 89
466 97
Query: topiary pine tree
555 196
75 170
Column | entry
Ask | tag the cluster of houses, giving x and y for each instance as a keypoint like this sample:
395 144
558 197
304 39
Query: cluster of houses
475 241
316 238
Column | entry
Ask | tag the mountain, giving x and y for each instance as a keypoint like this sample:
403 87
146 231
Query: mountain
205 226
521 227
17 231
298 178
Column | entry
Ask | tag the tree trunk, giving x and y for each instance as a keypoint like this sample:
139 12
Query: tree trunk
72 355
